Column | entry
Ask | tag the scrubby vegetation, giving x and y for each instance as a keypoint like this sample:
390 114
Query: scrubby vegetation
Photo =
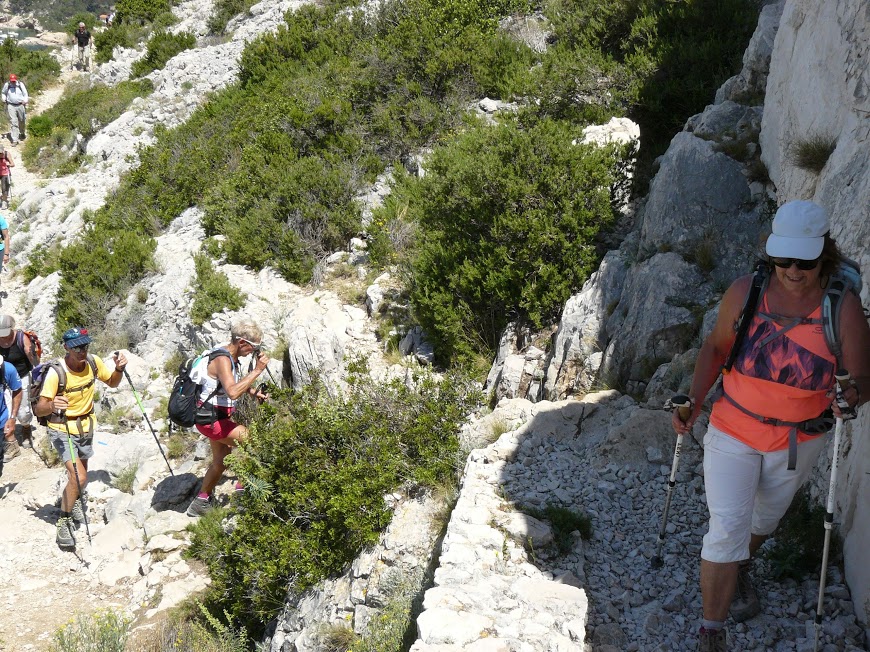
55 15
162 46
223 11
212 292
316 468
326 104
82 111
35 68
506 219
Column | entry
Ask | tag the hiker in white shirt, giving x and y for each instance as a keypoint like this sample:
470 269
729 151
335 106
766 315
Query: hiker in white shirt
16 98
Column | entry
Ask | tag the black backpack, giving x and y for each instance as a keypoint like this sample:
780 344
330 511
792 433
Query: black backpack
182 401
37 380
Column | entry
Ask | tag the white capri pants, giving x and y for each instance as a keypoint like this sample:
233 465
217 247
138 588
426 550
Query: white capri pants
748 491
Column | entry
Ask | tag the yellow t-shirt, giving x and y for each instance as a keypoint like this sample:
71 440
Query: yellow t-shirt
80 402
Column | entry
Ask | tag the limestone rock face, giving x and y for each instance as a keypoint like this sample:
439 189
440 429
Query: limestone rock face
819 86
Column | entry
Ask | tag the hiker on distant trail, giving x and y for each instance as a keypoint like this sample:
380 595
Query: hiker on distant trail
784 371
6 165
221 385
83 40
15 97
4 243
9 380
18 350
71 420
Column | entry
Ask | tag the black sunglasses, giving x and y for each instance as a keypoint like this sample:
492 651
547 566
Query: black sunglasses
805 265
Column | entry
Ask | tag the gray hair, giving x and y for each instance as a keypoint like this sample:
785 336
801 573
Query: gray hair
246 329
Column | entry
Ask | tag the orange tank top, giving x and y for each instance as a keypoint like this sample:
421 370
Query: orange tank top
781 372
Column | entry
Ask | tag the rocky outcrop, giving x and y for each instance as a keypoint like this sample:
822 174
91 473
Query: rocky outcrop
818 88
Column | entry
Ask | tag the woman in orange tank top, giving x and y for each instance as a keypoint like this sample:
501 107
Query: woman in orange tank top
783 374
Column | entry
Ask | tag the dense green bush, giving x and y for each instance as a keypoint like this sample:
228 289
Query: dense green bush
141 11
212 292
661 60
117 35
35 68
317 468
507 219
162 46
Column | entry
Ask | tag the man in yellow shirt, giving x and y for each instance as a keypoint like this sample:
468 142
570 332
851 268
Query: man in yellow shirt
71 420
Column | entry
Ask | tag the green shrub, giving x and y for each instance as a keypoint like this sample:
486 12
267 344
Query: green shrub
117 35
82 110
141 11
36 68
42 261
103 631
323 464
224 11
213 292
162 46
564 523
507 224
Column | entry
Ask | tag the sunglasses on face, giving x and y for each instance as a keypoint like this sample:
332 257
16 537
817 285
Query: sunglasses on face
80 349
805 265
256 346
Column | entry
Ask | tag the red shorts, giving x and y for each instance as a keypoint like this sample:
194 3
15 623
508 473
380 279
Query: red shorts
221 428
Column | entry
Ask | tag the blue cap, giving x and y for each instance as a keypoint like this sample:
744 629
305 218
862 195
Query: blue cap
76 337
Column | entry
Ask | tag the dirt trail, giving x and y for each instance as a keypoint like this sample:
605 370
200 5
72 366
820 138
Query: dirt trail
41 586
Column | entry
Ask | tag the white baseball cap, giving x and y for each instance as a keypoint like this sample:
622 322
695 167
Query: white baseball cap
799 229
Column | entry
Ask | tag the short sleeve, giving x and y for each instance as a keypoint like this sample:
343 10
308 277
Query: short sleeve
103 372
13 380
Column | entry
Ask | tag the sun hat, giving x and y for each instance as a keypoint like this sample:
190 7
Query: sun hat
81 24
13 77
76 337
6 325
799 229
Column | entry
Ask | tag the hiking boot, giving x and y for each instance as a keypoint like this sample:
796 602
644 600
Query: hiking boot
78 514
712 640
65 537
745 603
199 506
13 450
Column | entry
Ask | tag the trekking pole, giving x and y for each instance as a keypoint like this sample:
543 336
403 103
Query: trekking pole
683 404
148 421
72 454
842 377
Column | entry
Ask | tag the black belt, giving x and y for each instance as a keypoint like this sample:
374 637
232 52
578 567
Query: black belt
14 104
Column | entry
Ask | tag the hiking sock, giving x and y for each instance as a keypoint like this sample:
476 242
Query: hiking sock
65 514
711 625
202 495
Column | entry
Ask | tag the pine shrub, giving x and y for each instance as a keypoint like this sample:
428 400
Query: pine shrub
323 464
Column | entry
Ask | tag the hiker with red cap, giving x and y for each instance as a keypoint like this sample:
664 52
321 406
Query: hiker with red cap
777 399
66 398
15 96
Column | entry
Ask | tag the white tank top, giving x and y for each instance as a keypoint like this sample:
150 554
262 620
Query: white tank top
208 384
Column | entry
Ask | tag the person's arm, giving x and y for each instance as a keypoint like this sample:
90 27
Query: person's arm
5 233
713 352
222 369
49 401
24 92
117 374
27 347
13 382
855 340
9 160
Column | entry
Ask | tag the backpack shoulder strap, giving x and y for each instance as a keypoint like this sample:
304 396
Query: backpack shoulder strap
60 370
212 355
760 278
839 284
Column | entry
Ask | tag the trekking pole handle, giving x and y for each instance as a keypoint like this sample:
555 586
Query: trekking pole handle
844 382
682 404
